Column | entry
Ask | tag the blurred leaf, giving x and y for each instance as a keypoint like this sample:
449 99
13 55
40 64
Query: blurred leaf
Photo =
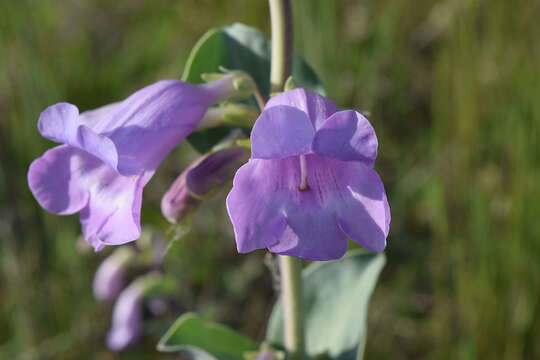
195 353
204 340
238 47
336 296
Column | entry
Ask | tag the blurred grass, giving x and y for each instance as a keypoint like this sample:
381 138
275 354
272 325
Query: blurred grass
453 88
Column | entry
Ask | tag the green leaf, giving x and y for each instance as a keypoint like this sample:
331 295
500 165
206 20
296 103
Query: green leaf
335 296
195 353
204 340
238 47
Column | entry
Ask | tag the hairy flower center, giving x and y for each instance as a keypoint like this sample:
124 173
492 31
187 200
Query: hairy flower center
303 174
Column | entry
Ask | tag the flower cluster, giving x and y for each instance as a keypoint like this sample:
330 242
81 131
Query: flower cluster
308 186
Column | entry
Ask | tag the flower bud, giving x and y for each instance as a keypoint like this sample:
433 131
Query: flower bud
109 278
177 202
232 114
127 319
290 84
242 84
206 174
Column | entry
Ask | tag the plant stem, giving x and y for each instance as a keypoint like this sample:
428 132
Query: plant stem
260 99
281 62
291 294
291 267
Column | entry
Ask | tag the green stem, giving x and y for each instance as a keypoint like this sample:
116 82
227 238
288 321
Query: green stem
291 267
281 22
291 293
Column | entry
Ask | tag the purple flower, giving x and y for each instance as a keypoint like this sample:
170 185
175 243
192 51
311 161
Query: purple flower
109 154
110 276
206 174
310 183
127 318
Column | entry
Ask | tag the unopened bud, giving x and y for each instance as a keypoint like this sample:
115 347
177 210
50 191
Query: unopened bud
127 315
110 275
202 177
229 114
290 84
241 85
177 202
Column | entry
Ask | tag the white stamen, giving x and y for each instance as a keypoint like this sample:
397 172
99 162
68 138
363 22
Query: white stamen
303 173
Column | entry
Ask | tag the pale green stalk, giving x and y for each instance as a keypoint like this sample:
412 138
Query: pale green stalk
282 35
291 267
291 294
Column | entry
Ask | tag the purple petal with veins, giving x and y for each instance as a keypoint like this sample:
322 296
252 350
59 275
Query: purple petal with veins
304 195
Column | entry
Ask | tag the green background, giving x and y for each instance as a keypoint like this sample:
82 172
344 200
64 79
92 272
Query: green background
453 88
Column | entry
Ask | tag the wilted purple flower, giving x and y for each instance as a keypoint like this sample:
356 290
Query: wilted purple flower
127 318
310 181
203 176
109 154
110 276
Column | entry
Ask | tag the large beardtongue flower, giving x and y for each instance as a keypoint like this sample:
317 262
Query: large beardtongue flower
109 154
310 182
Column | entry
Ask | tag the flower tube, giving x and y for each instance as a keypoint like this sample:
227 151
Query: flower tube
108 155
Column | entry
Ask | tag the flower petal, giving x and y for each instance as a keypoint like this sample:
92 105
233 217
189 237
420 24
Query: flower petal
134 135
312 231
343 198
268 210
317 107
112 216
92 117
364 214
254 205
281 131
311 234
55 179
66 180
348 136
146 126
61 123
